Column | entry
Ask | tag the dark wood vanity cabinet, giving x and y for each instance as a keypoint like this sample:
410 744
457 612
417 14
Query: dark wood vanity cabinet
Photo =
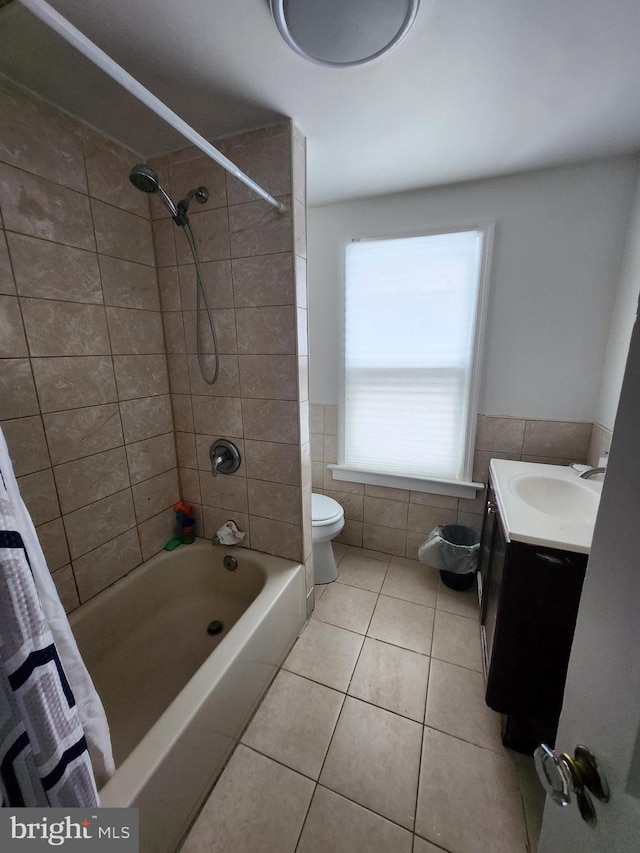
529 597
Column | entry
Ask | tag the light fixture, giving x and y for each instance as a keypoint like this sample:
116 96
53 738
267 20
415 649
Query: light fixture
343 33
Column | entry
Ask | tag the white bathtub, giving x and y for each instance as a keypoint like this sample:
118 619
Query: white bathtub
178 698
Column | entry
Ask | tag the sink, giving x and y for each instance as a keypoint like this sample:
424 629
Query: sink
567 501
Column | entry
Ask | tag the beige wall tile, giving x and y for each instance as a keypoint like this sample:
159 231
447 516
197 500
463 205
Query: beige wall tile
146 417
216 279
211 231
152 496
277 501
155 532
7 284
227 492
422 519
341 485
268 329
316 441
74 382
414 541
263 280
276 537
133 331
53 271
256 228
353 505
266 158
163 232
182 412
190 485
227 384
317 475
65 328
108 165
330 449
38 491
303 412
224 323
271 377
275 462
502 434
17 390
27 445
186 449
53 541
185 175
351 533
270 420
214 518
316 418
481 460
151 457
387 493
93 525
426 499
169 287
140 375
34 206
470 519
556 438
174 332
218 415
121 234
129 285
82 432
84 481
12 338
389 540
303 379
34 133
300 228
384 512
66 586
106 564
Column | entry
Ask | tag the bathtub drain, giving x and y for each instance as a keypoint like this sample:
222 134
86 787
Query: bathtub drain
214 627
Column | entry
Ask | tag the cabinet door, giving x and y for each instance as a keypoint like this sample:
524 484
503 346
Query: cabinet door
493 593
486 545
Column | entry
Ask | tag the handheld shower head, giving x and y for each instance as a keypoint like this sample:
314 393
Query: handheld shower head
145 179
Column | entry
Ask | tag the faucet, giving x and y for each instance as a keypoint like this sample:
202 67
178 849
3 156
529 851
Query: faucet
590 472
225 457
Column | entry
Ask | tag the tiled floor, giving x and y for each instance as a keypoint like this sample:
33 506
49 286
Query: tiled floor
375 736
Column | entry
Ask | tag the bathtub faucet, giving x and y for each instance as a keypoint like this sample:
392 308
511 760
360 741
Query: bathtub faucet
225 457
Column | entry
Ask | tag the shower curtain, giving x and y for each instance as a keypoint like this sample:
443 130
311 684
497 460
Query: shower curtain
53 730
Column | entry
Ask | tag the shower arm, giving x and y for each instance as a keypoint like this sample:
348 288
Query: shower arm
64 28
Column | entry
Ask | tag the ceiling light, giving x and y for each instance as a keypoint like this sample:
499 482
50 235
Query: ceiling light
343 33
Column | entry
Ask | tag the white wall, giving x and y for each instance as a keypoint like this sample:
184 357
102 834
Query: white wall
559 240
624 313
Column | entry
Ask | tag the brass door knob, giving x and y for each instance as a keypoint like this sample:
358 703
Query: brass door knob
563 775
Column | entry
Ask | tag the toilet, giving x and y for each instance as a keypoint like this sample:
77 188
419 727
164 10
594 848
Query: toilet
327 520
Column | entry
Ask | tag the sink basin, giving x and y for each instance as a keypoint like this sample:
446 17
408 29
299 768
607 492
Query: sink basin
567 501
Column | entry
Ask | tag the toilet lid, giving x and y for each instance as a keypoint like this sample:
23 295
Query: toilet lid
324 509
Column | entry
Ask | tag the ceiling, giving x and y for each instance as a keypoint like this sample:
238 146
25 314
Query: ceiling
478 88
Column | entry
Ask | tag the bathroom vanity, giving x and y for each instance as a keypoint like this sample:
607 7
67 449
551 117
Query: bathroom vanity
536 537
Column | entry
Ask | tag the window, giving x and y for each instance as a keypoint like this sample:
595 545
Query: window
413 312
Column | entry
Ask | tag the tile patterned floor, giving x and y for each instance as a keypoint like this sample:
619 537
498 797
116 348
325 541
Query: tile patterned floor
374 736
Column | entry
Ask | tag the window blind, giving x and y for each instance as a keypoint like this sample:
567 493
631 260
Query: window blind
410 316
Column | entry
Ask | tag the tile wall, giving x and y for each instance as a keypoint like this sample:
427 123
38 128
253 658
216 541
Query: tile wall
397 521
88 389
84 396
254 267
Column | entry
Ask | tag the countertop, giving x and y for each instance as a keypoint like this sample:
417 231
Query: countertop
524 523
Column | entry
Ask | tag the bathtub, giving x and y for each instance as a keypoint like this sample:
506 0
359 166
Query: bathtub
177 697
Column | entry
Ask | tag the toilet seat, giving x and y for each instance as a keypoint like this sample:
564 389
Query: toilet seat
324 510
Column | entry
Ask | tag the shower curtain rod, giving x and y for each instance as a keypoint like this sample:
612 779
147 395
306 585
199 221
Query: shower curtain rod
71 34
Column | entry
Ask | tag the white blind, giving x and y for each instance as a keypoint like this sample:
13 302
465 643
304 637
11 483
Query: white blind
410 309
